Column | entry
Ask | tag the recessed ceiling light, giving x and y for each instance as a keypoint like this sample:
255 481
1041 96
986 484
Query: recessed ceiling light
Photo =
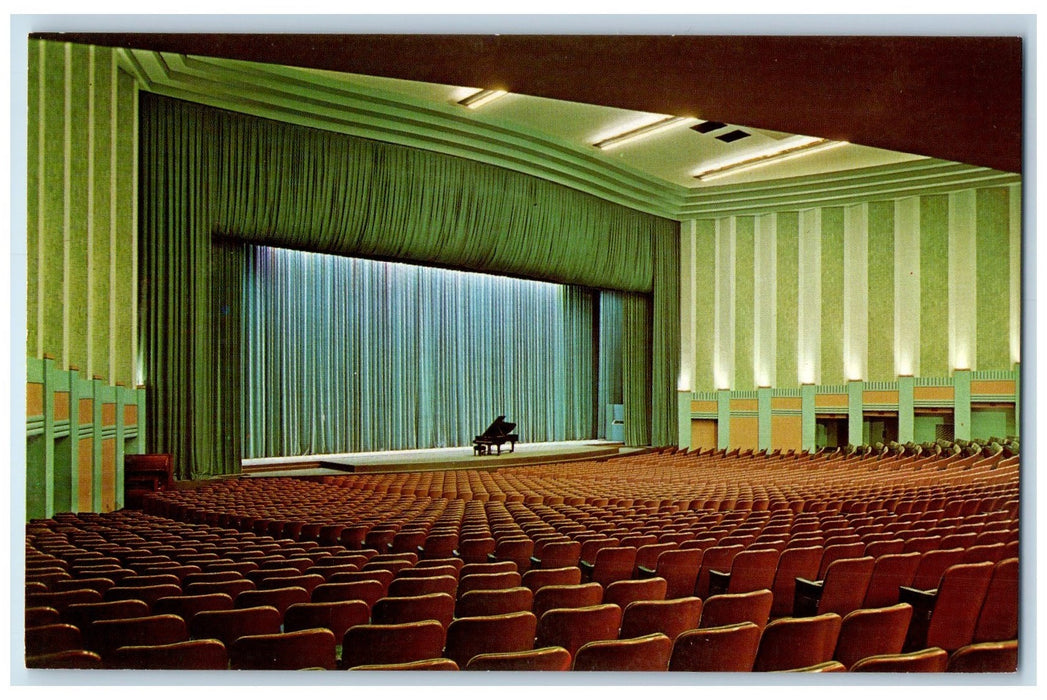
707 127
481 97
780 154
641 132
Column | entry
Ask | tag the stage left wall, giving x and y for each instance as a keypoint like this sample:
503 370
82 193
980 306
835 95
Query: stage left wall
81 277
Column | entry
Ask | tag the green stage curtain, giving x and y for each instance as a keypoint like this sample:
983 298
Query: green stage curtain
350 355
208 175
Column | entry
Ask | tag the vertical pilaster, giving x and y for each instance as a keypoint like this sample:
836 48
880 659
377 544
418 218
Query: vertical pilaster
907 286
763 407
855 412
963 280
683 412
688 320
906 410
808 420
962 404
723 419
856 292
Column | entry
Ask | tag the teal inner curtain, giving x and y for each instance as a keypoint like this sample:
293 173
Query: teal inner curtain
209 178
347 355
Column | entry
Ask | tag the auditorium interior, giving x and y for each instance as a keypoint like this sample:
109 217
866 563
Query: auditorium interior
506 353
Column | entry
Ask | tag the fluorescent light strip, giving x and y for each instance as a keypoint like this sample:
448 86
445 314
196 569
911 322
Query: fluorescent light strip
641 132
768 159
481 97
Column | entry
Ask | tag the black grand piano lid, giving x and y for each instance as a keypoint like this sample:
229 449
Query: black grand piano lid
498 428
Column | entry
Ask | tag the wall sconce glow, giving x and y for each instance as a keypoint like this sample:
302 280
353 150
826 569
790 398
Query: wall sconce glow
683 382
779 154
640 132
481 97
904 368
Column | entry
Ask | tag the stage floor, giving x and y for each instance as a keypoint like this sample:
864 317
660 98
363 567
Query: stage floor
432 459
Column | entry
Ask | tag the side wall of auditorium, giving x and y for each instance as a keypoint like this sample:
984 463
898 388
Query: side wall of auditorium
887 319
83 411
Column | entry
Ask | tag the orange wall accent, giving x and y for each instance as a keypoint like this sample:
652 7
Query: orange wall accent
786 403
1003 387
932 393
61 402
786 433
108 474
85 456
744 405
830 400
703 434
703 407
745 433
86 411
881 397
109 414
34 399
130 414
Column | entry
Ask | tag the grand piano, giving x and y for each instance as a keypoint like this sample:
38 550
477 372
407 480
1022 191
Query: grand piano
496 435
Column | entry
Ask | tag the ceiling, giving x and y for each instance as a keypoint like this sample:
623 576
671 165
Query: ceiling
951 98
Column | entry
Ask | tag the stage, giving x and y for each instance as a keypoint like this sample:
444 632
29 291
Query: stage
433 459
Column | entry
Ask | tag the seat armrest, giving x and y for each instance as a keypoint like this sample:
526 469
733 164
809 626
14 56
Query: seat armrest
643 572
921 600
587 570
806 597
536 563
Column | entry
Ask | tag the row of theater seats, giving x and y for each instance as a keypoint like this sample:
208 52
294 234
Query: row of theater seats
202 596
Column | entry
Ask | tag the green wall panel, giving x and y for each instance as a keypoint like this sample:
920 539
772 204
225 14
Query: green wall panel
934 286
704 303
832 295
102 163
33 176
743 303
53 241
124 253
77 263
993 253
788 297
881 291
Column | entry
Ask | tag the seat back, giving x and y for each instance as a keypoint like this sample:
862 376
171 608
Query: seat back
431 606
496 602
998 619
192 655
830 553
871 632
565 576
470 636
679 568
930 660
796 642
716 558
960 596
933 564
228 625
985 657
337 617
279 598
423 665
716 649
52 639
104 636
647 555
889 573
476 582
733 608
753 570
647 653
422 585
570 628
799 562
284 651
613 564
541 659
845 584
392 644
557 555
575 596
668 617
368 591
621 593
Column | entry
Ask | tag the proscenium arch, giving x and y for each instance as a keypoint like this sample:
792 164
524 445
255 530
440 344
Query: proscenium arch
210 179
